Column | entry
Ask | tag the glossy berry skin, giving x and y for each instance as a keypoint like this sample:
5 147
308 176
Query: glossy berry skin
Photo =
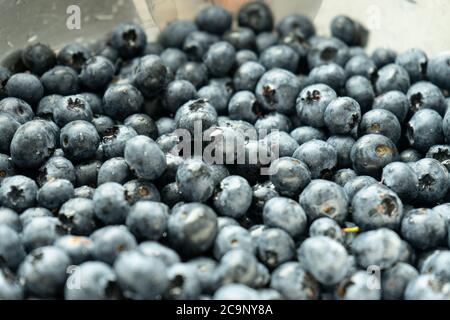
289 176
73 55
111 206
294 282
433 180
325 258
380 121
54 193
86 173
243 105
424 228
257 16
61 80
114 170
139 276
220 58
240 38
96 73
245 55
305 133
114 141
173 58
25 86
145 157
326 227
165 125
377 207
327 50
79 140
394 101
128 39
355 287
286 214
110 241
18 193
97 281
196 112
438 70
77 216
179 92
312 103
360 65
348 30
233 237
425 95
247 75
38 58
148 220
319 156
213 19
71 108
233 197
274 247
331 74
402 179
184 225
122 100
44 271
415 63
194 72
392 77
277 90
424 129
323 198
195 181
410 155
371 153
217 95
271 122
342 115
150 75
197 44
360 89
33 143
280 56
175 32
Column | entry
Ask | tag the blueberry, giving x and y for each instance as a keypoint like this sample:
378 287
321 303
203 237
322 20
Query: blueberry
5 74
342 176
216 95
38 58
319 156
425 95
440 152
96 281
102 124
394 101
360 65
110 241
79 140
214 19
436 264
31 213
6 167
383 57
110 53
400 178
433 180
265 40
289 176
298 23
144 157
350 31
54 193
179 92
47 106
329 74
380 121
76 247
305 133
323 198
115 139
425 129
60 80
220 58
150 76
122 100
262 192
274 247
272 122
424 228
280 56
197 44
205 268
326 227
12 251
148 220
165 125
327 50
371 153
194 72
173 58
157 250
10 219
427 287
10 286
44 271
25 86
282 143
114 170
235 291
73 55
78 216
245 55
86 173
233 197
438 69
343 146
294 283
244 106
355 287
325 258
196 112
233 237
277 90
223 222
237 266
392 77
184 225
175 32
128 39
286 214
247 75
256 15
96 73
342 115
140 190
17 108
312 103
18 193
171 195
395 279
240 38
71 108
360 89
140 276
8 127
84 192
415 63
110 202
41 231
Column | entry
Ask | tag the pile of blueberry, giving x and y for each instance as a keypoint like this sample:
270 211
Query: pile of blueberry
97 204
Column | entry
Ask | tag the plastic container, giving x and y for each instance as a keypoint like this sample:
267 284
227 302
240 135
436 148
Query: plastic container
398 24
